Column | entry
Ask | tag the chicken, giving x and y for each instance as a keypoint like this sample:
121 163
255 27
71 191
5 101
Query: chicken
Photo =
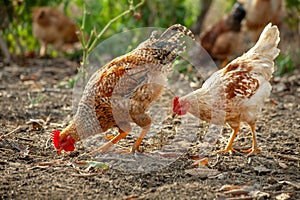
259 14
7 13
50 26
122 91
237 92
223 38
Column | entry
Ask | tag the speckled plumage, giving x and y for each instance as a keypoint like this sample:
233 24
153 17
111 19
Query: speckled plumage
122 91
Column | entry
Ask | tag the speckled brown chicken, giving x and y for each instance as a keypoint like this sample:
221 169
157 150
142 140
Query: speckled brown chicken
237 92
122 91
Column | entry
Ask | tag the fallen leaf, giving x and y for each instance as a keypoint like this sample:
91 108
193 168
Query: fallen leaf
90 165
202 161
230 187
289 157
261 169
202 173
28 78
134 196
235 192
37 124
242 192
85 174
282 165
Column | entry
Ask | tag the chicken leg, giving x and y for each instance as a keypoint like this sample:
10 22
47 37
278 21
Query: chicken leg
254 149
143 120
140 138
229 147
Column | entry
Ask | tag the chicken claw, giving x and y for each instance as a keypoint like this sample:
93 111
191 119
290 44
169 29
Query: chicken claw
252 151
105 147
228 150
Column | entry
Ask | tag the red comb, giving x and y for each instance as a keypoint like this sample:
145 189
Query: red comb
180 107
55 138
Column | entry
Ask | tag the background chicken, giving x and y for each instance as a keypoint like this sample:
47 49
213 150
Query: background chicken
50 26
259 14
237 92
121 92
223 38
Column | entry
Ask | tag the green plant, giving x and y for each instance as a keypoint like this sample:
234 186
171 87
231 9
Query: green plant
36 100
284 64
72 82
293 13
94 37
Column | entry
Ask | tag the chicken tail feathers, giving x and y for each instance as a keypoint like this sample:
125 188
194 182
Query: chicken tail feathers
267 44
262 54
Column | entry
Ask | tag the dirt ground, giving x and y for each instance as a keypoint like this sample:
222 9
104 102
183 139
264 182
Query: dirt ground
36 98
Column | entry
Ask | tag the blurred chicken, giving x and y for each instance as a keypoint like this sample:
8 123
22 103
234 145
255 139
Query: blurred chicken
223 38
122 91
259 14
50 26
6 13
237 92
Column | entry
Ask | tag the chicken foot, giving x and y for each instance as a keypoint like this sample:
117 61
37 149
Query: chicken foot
122 134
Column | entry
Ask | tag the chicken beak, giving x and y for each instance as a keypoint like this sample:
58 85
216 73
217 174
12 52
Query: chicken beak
174 115
59 151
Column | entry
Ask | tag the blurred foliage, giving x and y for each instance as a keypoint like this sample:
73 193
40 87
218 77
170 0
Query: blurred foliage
285 63
183 67
153 13
95 36
17 30
18 33
293 13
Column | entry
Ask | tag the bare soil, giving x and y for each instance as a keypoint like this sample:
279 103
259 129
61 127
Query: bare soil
36 98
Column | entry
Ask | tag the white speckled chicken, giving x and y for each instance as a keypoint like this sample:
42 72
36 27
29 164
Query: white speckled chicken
122 91
237 92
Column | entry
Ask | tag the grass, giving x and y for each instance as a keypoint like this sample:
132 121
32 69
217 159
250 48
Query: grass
285 63
36 100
